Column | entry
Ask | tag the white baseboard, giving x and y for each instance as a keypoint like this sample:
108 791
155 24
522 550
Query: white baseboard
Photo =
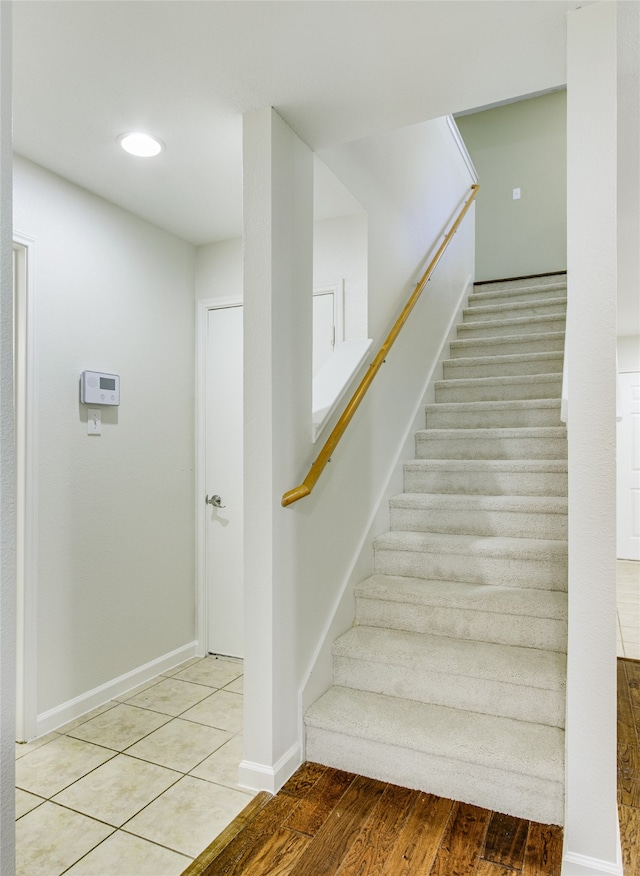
72 709
261 777
574 864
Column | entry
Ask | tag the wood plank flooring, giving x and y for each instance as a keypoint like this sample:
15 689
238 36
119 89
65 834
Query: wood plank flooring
326 822
629 763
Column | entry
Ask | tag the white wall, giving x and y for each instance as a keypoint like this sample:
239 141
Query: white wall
294 581
340 253
7 492
591 842
219 269
116 511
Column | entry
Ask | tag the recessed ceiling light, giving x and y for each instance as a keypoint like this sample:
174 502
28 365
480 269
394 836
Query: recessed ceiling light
142 145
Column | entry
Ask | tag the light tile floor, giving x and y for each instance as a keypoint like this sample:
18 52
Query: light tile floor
140 785
628 602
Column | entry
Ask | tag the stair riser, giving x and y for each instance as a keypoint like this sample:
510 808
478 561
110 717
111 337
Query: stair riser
429 446
499 523
490 483
455 369
492 419
497 328
522 796
540 343
449 391
547 634
486 696
477 299
524 311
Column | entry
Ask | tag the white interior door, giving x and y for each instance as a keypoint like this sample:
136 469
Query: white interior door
223 479
628 456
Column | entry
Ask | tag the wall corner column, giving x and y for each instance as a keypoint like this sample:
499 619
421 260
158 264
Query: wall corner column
7 490
277 260
591 842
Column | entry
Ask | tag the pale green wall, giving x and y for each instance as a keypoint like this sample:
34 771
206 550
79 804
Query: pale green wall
520 145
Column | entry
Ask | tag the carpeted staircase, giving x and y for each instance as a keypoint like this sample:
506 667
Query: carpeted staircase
452 680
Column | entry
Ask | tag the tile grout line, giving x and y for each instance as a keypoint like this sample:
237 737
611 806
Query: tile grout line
180 774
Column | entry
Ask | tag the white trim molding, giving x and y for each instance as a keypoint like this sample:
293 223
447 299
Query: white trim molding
78 706
26 404
464 152
574 864
262 777
337 290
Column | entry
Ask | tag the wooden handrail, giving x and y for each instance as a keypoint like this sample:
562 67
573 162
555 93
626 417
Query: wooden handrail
304 489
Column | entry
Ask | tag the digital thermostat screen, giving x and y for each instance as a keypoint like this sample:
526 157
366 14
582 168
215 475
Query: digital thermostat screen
107 383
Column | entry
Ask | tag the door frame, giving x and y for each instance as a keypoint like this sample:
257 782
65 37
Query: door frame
26 431
202 595
337 290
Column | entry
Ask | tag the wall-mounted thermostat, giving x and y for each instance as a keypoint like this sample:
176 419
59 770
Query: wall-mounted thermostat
97 388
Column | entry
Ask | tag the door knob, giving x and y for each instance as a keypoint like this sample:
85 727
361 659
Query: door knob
216 501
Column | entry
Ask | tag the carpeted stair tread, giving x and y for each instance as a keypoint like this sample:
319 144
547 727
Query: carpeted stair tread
530 477
519 466
514 309
523 325
511 516
494 679
460 502
550 604
490 546
527 432
481 559
481 296
495 404
481 612
511 365
495 413
509 285
453 734
508 380
531 442
507 344
499 388
512 664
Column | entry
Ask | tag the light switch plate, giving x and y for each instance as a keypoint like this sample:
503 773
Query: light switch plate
94 421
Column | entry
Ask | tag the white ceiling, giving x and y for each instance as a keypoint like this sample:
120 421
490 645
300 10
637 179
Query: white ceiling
84 72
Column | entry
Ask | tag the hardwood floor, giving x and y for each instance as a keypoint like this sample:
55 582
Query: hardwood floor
325 822
629 763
